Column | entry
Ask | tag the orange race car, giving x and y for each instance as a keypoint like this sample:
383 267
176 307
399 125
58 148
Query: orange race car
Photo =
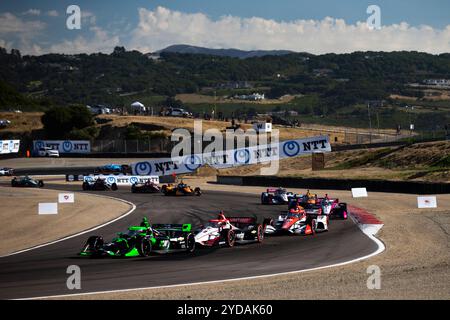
180 189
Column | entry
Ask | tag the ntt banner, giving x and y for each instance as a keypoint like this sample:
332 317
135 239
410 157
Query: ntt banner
64 146
122 180
9 146
234 157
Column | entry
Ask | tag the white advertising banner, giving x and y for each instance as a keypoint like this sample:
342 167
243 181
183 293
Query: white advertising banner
66 198
359 192
64 146
48 208
122 180
427 202
234 157
9 146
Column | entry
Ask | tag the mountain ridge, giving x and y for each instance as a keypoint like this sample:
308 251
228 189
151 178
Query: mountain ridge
230 52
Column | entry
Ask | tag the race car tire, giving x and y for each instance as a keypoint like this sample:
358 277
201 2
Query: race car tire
144 247
114 187
40 183
260 233
85 186
313 227
230 238
164 190
133 189
94 243
197 191
190 243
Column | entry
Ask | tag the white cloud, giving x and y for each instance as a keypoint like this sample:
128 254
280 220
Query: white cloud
32 12
101 41
10 23
52 13
88 17
163 27
20 34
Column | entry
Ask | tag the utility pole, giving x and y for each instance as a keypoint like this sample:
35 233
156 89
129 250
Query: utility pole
370 122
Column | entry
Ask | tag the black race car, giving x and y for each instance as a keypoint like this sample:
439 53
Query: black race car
99 185
146 187
26 182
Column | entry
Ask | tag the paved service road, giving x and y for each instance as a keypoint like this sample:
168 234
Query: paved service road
42 272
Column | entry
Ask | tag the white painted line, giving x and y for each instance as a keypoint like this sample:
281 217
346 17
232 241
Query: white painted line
380 248
133 207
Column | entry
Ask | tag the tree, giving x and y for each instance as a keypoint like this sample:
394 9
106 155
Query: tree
59 122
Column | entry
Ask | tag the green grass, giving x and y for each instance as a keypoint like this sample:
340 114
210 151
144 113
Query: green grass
367 158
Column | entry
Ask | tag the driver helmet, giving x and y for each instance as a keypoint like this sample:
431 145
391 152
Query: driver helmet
221 216
145 222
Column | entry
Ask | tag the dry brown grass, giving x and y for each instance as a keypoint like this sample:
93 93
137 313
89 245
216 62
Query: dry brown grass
20 209
171 123
200 98
22 122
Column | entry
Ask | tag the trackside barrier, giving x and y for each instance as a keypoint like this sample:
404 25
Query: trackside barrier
411 187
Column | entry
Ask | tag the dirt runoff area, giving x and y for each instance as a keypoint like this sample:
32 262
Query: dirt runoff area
415 265
23 227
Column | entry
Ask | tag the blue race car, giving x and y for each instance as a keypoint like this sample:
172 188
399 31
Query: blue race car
113 169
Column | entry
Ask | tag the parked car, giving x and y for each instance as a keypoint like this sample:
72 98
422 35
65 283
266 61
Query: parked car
47 152
178 112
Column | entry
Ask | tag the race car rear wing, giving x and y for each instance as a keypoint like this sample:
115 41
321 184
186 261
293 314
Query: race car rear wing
171 226
242 220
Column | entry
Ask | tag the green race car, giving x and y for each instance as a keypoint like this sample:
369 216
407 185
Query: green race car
143 240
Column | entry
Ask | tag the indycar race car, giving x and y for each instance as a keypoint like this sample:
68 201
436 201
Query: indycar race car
26 182
6 171
228 231
333 208
180 189
300 221
143 240
146 187
276 196
99 185
113 169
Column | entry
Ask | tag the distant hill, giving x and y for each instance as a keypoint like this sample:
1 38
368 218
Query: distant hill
233 53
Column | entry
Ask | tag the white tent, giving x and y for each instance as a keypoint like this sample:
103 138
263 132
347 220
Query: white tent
138 106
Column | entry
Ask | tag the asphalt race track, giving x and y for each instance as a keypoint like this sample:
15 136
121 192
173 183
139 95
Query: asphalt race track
42 272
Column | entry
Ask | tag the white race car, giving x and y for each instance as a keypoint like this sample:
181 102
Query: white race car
300 221
277 196
228 231
6 171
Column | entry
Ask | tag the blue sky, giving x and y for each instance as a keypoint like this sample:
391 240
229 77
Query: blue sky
120 22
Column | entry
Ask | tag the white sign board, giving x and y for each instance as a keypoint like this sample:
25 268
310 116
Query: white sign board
359 192
64 146
427 202
233 157
48 208
122 180
9 146
262 127
66 198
